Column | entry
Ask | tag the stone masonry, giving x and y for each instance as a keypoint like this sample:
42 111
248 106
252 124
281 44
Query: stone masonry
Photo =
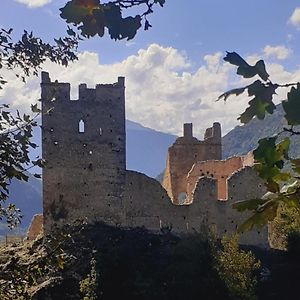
85 177
83 143
184 153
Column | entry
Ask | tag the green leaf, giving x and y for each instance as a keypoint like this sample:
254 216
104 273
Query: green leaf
269 158
256 108
291 106
262 102
260 218
251 204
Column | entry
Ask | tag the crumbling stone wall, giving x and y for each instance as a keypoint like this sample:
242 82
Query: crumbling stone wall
83 143
220 170
184 153
147 204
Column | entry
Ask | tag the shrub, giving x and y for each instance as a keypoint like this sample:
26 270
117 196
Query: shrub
237 269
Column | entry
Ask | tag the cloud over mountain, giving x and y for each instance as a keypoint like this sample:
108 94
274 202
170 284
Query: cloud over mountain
161 91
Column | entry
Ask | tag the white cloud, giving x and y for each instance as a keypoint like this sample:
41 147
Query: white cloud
161 93
34 3
295 18
279 52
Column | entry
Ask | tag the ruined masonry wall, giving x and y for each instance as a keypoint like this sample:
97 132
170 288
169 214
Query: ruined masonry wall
147 204
220 170
83 143
184 153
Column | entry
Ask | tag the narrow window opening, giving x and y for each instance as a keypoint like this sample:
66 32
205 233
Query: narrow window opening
81 126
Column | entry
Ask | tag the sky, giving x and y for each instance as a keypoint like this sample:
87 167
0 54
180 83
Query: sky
175 71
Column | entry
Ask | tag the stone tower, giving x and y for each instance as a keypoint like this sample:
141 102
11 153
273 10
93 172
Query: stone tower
184 153
83 143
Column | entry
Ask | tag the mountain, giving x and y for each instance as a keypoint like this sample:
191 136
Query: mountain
146 149
243 139
27 196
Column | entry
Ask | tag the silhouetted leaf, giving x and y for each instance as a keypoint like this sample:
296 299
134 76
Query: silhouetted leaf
76 11
161 2
262 101
147 25
292 106
232 92
246 70
35 109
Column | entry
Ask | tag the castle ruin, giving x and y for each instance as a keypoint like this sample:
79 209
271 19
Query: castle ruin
85 176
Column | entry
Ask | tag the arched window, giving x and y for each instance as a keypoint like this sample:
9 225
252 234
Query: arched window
182 197
81 126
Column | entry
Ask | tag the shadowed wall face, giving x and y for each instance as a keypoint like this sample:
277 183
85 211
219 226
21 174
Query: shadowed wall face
83 143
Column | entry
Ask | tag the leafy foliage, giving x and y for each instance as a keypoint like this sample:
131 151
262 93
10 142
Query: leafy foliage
103 261
24 58
89 285
27 54
92 17
237 269
271 155
284 227
15 134
20 274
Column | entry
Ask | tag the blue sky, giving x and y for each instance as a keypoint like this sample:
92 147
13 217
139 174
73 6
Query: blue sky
181 56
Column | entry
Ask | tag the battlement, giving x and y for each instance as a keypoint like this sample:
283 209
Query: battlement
57 92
